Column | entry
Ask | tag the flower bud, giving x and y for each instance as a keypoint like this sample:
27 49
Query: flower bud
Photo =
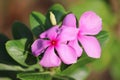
52 19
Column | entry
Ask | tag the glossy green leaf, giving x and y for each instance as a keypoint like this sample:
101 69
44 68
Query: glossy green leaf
59 77
7 67
20 30
11 67
16 49
34 76
59 12
37 21
102 37
81 73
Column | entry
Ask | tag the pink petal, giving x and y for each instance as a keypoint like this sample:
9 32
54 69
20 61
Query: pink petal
90 23
50 59
67 54
50 33
91 46
76 46
69 20
38 46
68 33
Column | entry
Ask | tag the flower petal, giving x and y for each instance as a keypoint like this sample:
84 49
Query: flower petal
90 23
69 20
38 46
67 54
91 46
68 33
50 33
76 46
50 59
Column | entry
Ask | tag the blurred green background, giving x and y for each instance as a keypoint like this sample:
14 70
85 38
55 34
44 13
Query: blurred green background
105 68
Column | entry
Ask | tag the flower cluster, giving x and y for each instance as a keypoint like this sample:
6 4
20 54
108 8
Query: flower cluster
61 43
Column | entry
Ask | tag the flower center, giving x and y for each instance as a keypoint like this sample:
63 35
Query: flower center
53 42
79 33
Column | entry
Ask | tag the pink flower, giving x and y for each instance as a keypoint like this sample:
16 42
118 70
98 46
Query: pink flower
90 24
53 44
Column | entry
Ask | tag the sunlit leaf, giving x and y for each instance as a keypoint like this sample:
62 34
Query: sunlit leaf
34 76
59 77
80 74
6 67
16 49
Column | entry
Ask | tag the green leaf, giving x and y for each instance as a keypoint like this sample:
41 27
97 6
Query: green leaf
37 21
81 73
59 77
16 49
102 37
18 68
10 67
34 76
20 30
59 12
